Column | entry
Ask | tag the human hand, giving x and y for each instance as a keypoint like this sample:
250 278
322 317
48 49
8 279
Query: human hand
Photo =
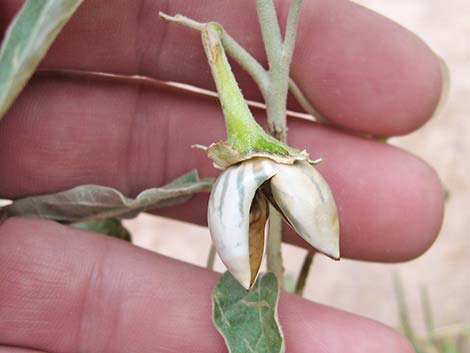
65 290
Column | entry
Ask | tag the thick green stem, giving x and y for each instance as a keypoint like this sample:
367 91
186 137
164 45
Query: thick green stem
244 133
276 104
279 70
250 64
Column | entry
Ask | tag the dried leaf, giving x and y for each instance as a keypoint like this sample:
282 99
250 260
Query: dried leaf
26 42
248 320
91 202
108 226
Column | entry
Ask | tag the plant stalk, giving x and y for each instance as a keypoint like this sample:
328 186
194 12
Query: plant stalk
279 57
211 258
304 272
250 64
273 83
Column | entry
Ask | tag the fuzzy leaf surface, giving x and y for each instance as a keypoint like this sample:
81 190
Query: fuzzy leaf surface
248 320
109 226
27 40
92 202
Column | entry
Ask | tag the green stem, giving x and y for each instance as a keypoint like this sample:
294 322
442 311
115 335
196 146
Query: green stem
250 65
211 257
244 133
273 246
291 32
270 30
279 57
279 71
305 103
304 272
183 20
246 61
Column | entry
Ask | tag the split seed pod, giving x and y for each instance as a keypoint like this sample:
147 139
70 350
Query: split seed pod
238 211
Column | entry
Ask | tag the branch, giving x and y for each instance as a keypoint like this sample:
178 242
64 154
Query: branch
235 50
246 61
275 98
270 30
250 64
305 103
183 20
291 31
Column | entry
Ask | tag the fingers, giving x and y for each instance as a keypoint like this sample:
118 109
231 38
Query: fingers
5 349
63 133
66 290
361 70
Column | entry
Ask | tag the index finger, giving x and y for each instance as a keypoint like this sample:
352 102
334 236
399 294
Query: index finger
360 70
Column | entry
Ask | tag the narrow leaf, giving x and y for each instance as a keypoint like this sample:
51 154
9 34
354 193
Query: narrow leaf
91 202
248 320
404 314
26 42
427 312
108 226
449 347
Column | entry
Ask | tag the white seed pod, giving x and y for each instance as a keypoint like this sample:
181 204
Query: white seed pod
229 218
238 212
306 202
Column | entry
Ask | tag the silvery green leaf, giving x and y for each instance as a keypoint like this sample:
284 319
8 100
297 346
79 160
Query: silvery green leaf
306 202
229 216
26 42
108 226
248 321
91 202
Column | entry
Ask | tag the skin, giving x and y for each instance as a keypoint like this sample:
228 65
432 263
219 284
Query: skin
67 290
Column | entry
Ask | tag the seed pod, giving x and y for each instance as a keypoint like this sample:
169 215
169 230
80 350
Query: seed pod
238 211
306 203
228 216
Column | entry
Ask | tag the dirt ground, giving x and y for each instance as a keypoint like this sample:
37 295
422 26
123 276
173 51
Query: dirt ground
367 288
